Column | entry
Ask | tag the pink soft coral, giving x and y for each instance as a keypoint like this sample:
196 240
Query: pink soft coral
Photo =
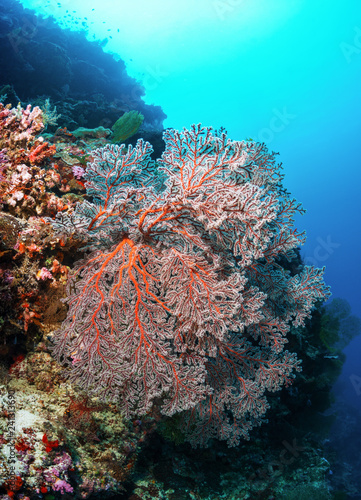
62 486
19 125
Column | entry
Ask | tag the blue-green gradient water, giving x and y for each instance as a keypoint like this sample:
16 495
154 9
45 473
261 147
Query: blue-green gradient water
286 72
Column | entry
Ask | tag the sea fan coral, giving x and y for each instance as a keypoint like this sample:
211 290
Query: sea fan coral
183 301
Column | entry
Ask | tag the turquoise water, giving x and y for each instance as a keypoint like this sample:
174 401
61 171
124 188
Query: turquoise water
283 72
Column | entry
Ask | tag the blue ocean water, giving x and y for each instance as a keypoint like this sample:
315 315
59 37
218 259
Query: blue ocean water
286 73
283 72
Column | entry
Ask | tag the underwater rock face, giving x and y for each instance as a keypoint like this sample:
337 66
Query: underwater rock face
48 67
38 58
6 23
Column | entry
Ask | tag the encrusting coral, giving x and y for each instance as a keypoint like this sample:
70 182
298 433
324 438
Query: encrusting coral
60 435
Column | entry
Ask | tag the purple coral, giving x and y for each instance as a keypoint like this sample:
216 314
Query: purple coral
78 171
60 469
62 486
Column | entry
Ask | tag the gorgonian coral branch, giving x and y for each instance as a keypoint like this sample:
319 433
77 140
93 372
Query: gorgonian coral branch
182 301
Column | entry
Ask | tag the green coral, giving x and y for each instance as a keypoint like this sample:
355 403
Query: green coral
127 125
50 117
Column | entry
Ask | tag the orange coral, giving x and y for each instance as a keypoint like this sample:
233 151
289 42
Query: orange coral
40 151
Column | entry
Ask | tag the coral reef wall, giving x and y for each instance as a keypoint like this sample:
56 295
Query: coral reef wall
89 87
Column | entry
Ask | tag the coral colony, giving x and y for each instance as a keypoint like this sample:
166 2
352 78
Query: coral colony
185 290
153 298
182 301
